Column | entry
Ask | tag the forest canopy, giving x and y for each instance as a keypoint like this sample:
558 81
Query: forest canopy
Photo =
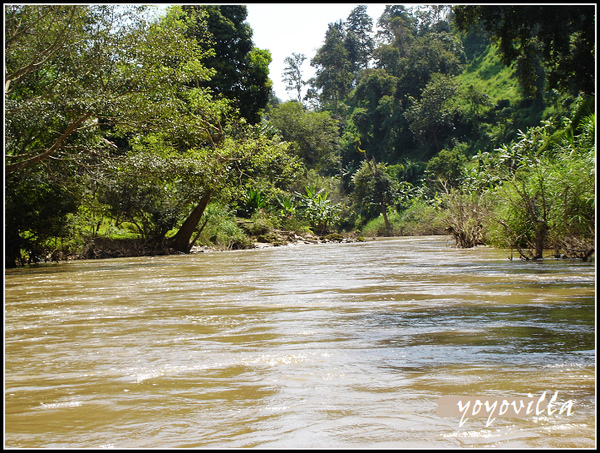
160 132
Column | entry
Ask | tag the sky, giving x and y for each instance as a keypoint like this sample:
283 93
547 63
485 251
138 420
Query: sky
284 28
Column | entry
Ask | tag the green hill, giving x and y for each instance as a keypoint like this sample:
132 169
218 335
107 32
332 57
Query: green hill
488 74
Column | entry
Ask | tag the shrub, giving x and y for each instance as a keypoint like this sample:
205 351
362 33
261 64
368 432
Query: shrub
318 210
221 229
464 218
550 202
421 218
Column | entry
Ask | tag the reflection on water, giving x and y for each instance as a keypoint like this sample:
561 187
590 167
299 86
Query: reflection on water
322 346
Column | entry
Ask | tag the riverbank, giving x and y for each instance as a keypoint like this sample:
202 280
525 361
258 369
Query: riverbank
103 247
106 248
282 238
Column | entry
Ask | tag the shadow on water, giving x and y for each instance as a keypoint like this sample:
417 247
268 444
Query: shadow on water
463 334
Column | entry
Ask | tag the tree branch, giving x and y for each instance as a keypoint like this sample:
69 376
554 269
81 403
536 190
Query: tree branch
10 168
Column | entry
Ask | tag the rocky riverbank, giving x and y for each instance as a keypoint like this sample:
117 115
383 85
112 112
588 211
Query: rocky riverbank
101 247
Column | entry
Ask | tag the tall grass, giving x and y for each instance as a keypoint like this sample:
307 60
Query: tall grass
489 75
222 230
419 219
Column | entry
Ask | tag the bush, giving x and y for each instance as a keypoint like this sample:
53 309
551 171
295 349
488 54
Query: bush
464 218
550 202
37 208
260 224
251 202
376 227
422 218
315 207
222 230
419 219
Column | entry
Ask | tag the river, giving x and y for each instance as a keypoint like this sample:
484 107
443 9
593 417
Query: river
306 346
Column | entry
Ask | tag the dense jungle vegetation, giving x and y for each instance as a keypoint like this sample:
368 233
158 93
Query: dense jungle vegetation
161 132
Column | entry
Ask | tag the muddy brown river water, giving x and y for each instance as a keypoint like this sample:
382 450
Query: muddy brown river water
307 346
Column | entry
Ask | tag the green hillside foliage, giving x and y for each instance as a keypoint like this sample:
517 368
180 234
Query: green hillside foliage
487 74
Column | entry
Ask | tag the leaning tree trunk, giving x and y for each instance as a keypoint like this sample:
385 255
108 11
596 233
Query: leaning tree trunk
182 239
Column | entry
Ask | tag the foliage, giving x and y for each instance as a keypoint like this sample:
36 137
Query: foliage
103 65
562 36
151 191
221 229
313 135
550 201
76 75
397 30
241 71
286 206
377 227
433 114
446 169
466 213
292 74
242 159
420 218
118 123
358 40
333 68
376 112
36 209
318 210
374 190
253 201
523 213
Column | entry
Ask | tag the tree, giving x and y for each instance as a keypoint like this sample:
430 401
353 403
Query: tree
313 135
36 211
76 75
49 29
433 18
446 113
562 36
358 40
432 115
397 30
71 69
333 68
292 74
375 115
374 190
152 186
242 155
430 54
241 71
128 76
447 168
397 27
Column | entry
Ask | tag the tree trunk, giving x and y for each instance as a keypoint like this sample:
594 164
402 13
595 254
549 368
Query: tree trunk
181 240
388 228
541 232
383 204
